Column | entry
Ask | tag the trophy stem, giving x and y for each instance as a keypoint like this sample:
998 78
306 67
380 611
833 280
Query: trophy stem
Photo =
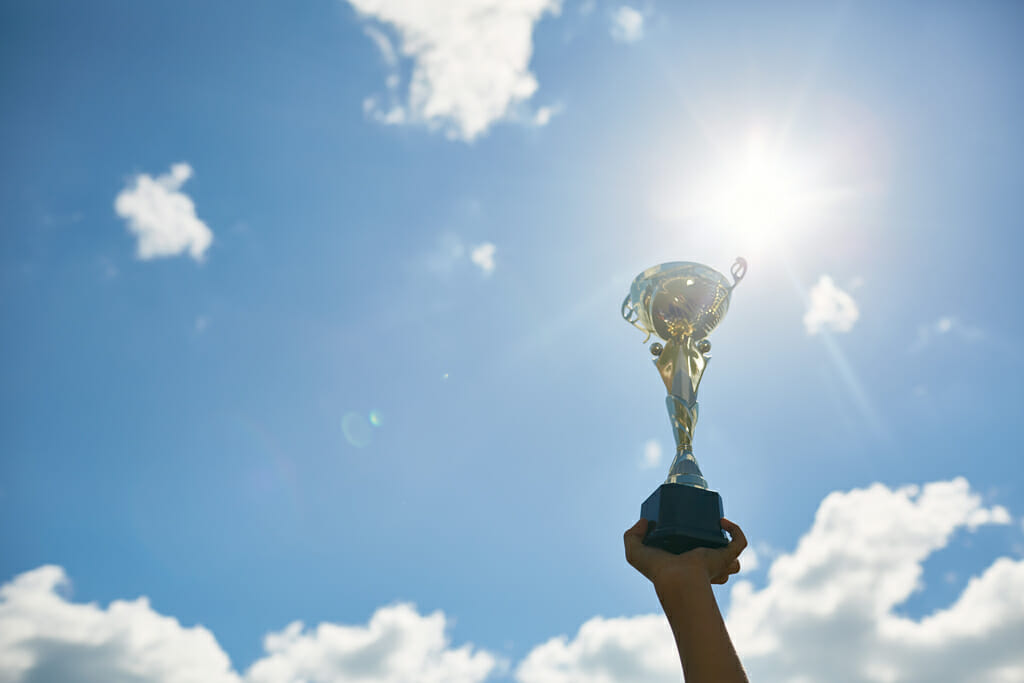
685 469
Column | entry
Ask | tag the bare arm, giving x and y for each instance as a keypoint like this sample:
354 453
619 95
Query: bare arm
683 584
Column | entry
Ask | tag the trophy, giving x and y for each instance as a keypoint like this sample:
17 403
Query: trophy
681 303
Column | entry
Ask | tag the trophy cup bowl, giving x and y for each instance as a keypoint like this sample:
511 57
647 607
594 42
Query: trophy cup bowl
681 303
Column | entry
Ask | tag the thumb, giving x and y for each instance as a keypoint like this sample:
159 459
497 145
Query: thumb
638 530
634 537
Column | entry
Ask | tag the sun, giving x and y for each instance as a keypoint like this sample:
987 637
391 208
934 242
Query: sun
755 194
762 189
760 192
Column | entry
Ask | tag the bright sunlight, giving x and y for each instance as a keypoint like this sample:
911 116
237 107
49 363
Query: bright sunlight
754 196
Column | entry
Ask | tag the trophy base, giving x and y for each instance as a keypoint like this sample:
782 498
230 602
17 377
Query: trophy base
683 518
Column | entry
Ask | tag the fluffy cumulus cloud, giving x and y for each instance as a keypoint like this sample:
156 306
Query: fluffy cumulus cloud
44 636
469 59
627 25
398 645
482 257
830 308
162 217
829 610
606 651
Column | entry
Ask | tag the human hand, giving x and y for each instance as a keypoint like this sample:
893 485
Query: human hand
663 568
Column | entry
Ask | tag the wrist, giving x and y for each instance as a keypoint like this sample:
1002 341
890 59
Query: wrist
679 579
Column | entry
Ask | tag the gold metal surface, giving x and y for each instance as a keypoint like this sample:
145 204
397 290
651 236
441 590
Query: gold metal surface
684 469
681 302
681 366
678 299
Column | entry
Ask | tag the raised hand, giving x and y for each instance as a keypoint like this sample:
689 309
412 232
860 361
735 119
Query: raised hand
715 565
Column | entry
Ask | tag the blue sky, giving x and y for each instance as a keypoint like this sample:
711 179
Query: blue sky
351 339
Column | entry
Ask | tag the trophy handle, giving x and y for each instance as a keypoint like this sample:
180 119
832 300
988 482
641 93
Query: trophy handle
630 315
738 271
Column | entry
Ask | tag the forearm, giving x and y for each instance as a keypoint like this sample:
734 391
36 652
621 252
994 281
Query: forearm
705 649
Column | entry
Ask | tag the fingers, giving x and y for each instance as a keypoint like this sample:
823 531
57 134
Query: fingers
732 551
633 539
733 568
739 540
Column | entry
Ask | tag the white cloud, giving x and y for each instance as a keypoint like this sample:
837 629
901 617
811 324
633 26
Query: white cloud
162 217
445 255
627 25
482 257
751 560
398 645
945 326
828 611
450 252
384 46
830 308
470 61
652 454
44 637
606 651
544 114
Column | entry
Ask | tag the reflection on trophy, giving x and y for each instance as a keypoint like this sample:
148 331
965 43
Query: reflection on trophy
682 303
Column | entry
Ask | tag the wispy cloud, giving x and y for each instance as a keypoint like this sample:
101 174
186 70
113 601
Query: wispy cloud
945 326
162 217
543 115
450 252
651 455
384 46
446 253
627 25
830 308
470 62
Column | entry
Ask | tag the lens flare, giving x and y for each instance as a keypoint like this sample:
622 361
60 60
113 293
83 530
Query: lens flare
376 419
356 429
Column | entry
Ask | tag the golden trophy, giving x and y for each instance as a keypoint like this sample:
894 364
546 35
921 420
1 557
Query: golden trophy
682 303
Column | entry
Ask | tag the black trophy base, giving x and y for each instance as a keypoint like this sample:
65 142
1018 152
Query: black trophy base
682 518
